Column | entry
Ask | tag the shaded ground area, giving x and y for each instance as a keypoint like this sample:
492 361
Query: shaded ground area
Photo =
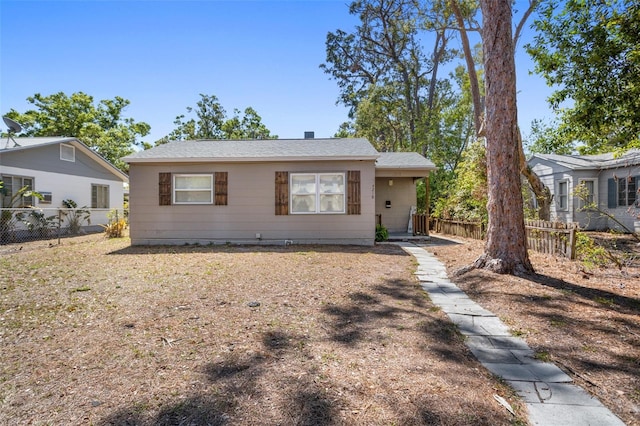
585 320
96 332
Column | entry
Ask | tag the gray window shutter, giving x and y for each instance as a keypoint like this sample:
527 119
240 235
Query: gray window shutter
612 194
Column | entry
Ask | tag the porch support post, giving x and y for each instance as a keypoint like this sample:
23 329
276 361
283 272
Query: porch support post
426 202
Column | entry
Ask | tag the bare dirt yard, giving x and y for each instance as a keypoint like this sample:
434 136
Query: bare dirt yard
584 319
94 331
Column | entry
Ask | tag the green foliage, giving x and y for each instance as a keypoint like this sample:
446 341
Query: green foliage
549 138
386 78
589 253
37 222
75 216
382 234
7 223
100 126
589 51
211 122
466 198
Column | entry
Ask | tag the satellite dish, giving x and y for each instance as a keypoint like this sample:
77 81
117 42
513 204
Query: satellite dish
14 127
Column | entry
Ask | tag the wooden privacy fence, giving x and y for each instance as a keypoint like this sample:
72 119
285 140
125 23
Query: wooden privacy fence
542 236
552 237
475 230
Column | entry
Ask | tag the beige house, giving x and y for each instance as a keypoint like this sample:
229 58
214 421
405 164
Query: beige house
285 191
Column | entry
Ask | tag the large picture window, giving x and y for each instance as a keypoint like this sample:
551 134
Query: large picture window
193 189
317 193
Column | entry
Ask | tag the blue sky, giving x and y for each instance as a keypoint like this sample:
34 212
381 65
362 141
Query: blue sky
161 54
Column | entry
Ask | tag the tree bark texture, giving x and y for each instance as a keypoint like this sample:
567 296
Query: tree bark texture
505 249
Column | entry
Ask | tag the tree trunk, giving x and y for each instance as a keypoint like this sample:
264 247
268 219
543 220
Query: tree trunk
505 249
542 193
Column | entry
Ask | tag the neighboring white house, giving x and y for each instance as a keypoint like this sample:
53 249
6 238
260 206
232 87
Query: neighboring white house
60 168
612 183
270 191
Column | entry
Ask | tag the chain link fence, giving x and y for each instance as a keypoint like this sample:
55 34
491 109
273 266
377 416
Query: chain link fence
38 224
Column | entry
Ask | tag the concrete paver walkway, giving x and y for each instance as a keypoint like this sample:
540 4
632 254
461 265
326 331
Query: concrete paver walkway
550 395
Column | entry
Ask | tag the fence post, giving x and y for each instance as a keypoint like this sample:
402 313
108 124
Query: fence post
59 224
572 243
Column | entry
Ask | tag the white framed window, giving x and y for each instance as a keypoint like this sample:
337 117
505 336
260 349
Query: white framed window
317 193
99 196
11 185
627 191
591 193
193 189
67 152
563 195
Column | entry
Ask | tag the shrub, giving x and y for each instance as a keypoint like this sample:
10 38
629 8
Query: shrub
115 228
381 233
589 253
75 216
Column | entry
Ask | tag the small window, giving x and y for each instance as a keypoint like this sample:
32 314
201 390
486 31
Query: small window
313 193
563 195
46 198
99 196
67 152
193 189
627 191
589 199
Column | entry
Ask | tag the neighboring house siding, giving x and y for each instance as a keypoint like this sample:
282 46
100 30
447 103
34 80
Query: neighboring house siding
609 197
77 188
552 174
251 197
46 158
401 195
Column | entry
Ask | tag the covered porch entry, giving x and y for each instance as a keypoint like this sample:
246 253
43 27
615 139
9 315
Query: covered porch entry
398 175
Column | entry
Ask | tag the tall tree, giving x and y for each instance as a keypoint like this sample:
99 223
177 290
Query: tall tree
505 248
589 51
465 13
211 122
384 65
101 126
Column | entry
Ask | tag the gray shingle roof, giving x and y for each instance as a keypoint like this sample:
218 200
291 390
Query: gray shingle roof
593 162
22 144
258 150
25 143
403 160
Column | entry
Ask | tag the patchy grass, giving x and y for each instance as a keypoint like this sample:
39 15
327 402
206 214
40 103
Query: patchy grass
231 335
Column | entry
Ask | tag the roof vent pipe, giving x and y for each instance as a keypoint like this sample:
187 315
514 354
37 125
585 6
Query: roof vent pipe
309 135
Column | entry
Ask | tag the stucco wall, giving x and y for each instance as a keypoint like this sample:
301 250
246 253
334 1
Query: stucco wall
250 209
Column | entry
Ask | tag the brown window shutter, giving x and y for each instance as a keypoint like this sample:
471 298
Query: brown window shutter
164 189
282 193
221 188
353 192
